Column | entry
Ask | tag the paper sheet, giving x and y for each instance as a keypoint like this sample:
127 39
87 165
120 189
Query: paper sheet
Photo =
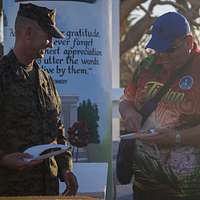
36 151
145 133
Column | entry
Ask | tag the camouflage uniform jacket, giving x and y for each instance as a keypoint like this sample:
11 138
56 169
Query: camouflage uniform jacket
29 113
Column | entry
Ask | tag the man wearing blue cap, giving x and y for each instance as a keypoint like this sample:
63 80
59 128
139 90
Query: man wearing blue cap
166 155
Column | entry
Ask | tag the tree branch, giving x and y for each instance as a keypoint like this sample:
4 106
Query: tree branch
126 7
176 5
145 10
135 33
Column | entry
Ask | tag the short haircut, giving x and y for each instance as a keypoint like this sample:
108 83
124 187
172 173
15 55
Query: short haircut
22 22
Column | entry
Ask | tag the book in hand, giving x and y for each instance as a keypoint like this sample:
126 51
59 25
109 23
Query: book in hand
41 152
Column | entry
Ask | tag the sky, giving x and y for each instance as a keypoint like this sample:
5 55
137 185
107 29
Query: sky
157 11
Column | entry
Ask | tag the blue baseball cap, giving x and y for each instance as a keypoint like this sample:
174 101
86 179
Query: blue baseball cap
166 29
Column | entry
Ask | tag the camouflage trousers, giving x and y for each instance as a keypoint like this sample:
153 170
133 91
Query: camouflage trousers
29 182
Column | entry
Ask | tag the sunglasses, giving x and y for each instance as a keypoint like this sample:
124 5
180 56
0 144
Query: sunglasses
174 48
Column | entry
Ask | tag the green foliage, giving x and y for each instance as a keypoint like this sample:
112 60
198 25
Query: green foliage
88 112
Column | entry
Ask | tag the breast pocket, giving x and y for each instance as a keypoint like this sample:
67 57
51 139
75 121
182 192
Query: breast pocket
49 98
19 97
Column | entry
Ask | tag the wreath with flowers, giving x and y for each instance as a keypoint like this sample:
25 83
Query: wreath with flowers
78 134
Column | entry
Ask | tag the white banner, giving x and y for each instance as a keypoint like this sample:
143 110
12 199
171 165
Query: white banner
81 63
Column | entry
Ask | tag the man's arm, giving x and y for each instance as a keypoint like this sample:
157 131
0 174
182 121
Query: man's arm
131 118
190 136
17 161
65 165
168 136
64 161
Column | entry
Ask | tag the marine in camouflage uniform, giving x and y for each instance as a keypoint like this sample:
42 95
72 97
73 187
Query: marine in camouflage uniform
29 115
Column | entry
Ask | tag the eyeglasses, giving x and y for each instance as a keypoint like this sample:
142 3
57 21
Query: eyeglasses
173 49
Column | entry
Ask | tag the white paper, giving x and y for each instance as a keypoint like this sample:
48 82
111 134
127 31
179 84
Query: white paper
35 151
141 134
127 136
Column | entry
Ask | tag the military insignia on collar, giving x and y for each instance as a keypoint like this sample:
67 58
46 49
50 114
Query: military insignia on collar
186 82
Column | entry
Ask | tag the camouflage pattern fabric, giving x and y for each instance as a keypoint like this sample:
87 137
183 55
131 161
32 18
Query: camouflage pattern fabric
46 18
29 112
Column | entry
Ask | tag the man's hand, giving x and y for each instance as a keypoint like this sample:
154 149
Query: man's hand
18 161
71 183
162 137
132 119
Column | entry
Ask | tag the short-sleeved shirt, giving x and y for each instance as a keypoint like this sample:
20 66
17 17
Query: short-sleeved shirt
178 166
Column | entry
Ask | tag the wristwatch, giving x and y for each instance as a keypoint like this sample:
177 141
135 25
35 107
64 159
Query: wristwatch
178 138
